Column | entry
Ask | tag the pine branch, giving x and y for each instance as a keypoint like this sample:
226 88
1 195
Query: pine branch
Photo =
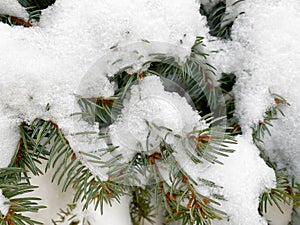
180 199
13 185
43 140
31 149
282 193
13 20
217 19
227 82
286 191
186 205
35 7
195 76
210 143
98 109
141 207
68 216
259 130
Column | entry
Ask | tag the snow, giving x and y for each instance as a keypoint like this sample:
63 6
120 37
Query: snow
9 136
243 176
48 64
265 59
3 207
12 8
233 9
150 103
44 65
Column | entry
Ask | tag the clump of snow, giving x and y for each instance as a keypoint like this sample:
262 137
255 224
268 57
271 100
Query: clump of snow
265 59
43 66
149 106
3 207
283 146
12 8
244 176
9 137
261 57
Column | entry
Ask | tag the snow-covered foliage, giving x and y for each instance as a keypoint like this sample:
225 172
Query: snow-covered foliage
150 105
264 55
45 66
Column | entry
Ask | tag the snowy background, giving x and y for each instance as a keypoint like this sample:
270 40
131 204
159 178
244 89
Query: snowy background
45 65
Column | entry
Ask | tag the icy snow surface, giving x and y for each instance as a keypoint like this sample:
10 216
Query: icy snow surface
3 208
44 65
265 55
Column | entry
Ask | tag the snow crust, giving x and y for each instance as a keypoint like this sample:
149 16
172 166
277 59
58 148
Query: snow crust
43 66
3 207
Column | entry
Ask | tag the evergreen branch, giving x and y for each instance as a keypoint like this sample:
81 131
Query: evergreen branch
101 110
141 207
35 7
197 209
92 189
13 186
217 19
185 204
282 193
260 129
13 20
68 215
286 190
195 76
227 82
210 144
31 148
44 140
297 195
